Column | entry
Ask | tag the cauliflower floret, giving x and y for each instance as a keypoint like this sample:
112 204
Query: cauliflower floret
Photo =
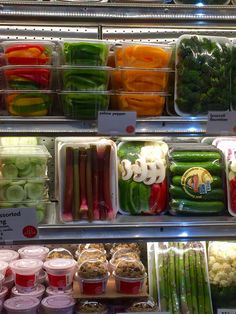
211 260
216 267
226 268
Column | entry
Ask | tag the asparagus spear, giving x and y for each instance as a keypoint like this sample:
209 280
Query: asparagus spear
178 270
200 285
172 283
76 191
181 270
168 278
193 278
162 278
187 279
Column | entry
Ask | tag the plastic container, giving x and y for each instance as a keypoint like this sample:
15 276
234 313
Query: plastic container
4 293
38 292
129 247
52 292
84 105
196 180
61 304
142 170
42 279
34 251
129 285
202 88
122 254
28 78
26 273
93 286
86 307
233 73
92 254
29 103
27 52
60 273
143 306
59 253
8 256
3 268
85 52
21 305
88 246
76 78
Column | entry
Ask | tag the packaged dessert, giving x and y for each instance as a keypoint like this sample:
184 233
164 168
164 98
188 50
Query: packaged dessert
87 180
59 253
94 307
38 292
196 180
91 254
122 254
131 247
98 246
85 52
22 305
34 252
58 304
93 276
26 273
202 83
60 273
142 177
143 306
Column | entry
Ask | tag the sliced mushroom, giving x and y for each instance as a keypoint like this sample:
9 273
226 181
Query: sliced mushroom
151 153
161 171
233 165
151 174
140 170
126 169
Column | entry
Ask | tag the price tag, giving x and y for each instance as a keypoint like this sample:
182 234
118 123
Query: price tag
18 224
226 311
221 122
117 122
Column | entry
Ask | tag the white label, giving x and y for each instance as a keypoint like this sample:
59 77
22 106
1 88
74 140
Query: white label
221 122
226 311
18 224
117 122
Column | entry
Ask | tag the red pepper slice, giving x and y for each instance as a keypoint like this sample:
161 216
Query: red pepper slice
162 197
232 183
158 197
24 46
155 191
27 61
30 71
233 194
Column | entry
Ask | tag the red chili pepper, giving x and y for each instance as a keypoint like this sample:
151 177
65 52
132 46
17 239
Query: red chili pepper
162 197
155 191
27 61
24 46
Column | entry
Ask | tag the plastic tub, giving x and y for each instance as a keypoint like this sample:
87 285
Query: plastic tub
8 256
85 52
93 286
21 305
29 103
50 291
75 78
129 285
60 304
34 251
60 272
84 105
26 273
4 293
95 307
38 292
28 78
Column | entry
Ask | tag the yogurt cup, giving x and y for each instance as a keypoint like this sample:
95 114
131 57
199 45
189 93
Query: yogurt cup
3 267
50 291
4 293
60 273
26 273
93 286
21 305
58 304
129 285
8 256
38 292
34 252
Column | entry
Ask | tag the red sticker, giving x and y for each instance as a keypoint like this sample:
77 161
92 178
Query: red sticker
130 129
30 231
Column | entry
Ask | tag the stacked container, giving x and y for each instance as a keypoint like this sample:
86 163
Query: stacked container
141 77
84 78
27 77
23 178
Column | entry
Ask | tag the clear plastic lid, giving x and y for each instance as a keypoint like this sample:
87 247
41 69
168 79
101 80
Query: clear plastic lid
130 246
21 303
130 269
59 253
123 254
60 264
51 291
38 292
26 266
92 254
99 246
143 306
86 307
58 302
18 141
8 255
3 267
93 269
39 151
34 251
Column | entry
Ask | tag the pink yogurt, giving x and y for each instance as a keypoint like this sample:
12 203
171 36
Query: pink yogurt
26 273
34 252
38 292
8 256
60 273
21 305
58 304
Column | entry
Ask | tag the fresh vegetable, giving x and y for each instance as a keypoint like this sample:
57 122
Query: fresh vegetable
214 167
216 181
178 192
183 206
191 156
69 189
203 75
233 77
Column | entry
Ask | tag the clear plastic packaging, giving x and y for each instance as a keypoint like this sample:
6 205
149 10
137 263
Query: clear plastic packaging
34 251
142 177
28 78
143 306
122 254
82 247
222 274
89 167
8 256
203 75
26 273
76 78
85 52
130 247
233 73
21 305
60 273
92 254
38 292
29 103
60 304
94 307
3 268
196 180
182 274
59 253
84 105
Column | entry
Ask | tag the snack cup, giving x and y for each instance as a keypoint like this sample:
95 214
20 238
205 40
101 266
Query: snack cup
58 304
26 273
93 286
21 305
38 292
51 292
129 285
34 251
3 294
60 272
8 256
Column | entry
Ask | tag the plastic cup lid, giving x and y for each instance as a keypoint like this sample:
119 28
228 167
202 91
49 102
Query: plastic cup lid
26 264
8 255
60 263
51 291
38 292
21 303
3 266
33 251
58 302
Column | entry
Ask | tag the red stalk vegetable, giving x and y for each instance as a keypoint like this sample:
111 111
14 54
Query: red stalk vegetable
89 189
82 180
96 213
68 188
106 183
101 201
76 197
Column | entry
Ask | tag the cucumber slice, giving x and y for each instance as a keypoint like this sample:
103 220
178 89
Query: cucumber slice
22 163
8 160
35 191
9 171
39 170
26 172
15 193
40 216
3 193
18 182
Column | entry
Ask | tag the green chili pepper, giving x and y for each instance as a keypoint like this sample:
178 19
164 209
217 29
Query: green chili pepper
144 195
